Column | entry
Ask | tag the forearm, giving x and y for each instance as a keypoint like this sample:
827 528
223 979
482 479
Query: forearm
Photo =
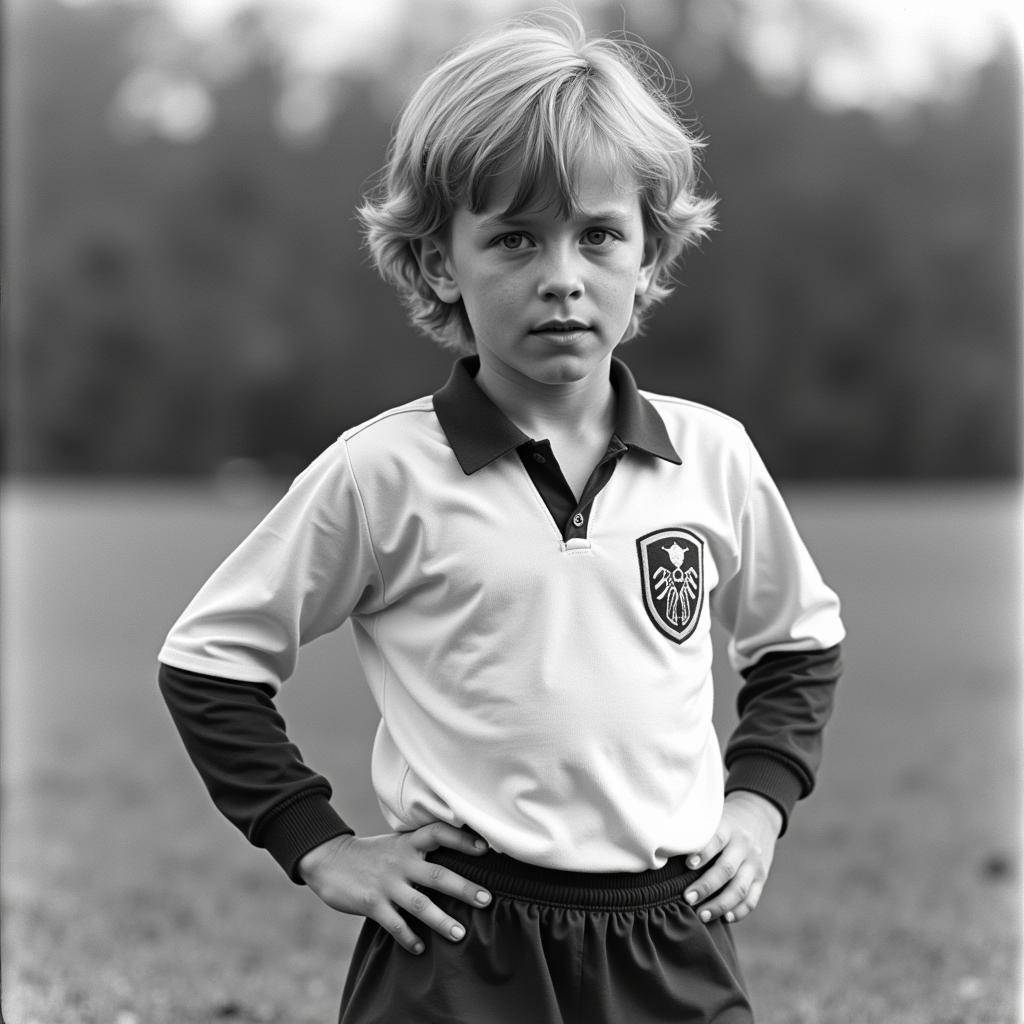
238 742
784 704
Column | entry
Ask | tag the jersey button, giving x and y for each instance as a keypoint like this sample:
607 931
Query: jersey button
577 520
537 457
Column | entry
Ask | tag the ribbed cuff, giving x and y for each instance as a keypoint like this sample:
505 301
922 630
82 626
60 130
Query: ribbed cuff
770 778
298 828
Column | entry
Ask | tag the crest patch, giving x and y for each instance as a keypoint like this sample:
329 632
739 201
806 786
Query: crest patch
672 580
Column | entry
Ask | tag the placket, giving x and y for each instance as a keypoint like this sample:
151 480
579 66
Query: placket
572 517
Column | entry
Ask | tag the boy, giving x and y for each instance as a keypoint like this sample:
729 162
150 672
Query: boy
530 560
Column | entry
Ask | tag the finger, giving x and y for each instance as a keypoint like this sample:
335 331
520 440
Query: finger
715 878
420 905
434 876
398 928
745 908
440 833
735 893
718 843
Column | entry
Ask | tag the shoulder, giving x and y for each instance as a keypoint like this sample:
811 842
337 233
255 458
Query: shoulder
391 434
683 417
401 430
404 440
411 417
716 453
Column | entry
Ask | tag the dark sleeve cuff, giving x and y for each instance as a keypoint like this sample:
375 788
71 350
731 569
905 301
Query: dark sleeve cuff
770 778
300 826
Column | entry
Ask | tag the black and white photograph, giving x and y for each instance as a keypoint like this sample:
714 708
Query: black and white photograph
511 512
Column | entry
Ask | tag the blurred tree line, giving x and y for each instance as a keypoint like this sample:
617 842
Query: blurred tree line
176 302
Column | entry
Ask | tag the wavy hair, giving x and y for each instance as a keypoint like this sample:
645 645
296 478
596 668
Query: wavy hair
539 96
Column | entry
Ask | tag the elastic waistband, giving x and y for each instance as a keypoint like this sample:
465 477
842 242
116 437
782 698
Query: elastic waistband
584 890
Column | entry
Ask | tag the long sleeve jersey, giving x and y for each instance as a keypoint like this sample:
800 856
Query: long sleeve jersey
541 661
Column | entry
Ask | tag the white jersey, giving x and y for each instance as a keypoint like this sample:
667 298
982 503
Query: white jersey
555 695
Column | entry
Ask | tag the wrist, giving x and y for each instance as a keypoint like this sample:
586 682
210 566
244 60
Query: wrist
299 827
761 805
771 778
310 863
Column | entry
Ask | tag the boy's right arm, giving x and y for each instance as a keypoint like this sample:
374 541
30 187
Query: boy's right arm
236 738
303 571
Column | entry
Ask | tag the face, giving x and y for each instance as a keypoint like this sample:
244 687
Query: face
548 298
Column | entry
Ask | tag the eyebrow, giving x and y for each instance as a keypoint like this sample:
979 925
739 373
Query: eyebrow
502 220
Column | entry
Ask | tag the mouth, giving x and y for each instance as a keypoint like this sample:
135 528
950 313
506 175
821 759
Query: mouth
560 327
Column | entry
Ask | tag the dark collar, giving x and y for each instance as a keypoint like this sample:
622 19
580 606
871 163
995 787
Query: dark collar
479 432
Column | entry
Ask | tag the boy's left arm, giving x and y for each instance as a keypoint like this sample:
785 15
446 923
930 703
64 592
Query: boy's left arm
785 633
772 759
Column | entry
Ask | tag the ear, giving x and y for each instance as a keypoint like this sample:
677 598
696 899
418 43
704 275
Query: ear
648 264
436 267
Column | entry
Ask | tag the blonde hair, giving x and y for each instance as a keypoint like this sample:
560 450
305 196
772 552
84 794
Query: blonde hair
539 96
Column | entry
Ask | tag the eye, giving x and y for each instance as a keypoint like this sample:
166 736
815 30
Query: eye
513 241
597 236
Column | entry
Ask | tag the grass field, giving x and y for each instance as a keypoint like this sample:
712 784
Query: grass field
895 896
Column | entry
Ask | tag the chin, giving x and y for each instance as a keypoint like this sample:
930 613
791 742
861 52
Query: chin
566 368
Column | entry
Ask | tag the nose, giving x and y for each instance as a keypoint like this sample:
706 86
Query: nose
561 276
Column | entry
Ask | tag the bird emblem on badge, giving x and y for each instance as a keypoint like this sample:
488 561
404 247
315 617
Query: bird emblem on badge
676 587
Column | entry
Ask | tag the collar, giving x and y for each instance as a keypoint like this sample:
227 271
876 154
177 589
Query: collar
479 432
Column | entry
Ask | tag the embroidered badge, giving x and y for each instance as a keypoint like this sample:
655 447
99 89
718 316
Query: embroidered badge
672 579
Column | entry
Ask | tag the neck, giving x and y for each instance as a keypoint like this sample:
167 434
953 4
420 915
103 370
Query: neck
580 408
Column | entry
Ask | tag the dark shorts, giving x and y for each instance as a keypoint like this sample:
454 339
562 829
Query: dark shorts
554 947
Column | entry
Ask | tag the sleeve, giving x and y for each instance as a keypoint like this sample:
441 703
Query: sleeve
255 775
301 573
785 633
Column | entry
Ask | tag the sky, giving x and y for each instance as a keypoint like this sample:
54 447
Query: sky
902 48
877 55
